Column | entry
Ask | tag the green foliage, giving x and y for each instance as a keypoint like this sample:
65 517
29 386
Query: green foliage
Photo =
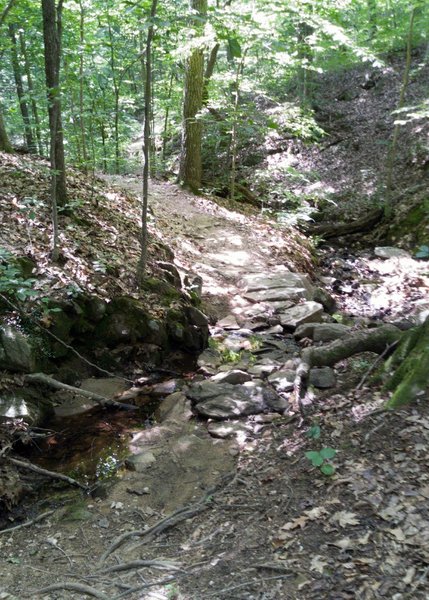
321 459
12 282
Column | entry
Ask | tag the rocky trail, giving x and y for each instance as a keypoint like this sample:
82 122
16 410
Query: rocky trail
218 499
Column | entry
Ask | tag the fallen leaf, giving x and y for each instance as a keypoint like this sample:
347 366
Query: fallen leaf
344 518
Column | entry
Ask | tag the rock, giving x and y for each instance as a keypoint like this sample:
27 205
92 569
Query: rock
229 407
229 322
328 332
283 381
277 294
25 404
175 408
325 299
234 376
140 462
323 377
255 282
126 321
104 386
391 252
305 331
95 308
227 430
259 370
171 273
196 317
209 359
307 312
16 351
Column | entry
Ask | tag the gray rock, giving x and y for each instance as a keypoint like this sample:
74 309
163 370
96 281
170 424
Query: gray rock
140 462
390 252
16 352
323 377
230 407
277 294
282 381
196 317
328 302
171 273
175 408
305 331
307 312
209 359
328 332
259 370
234 376
26 405
229 322
226 430
255 282
104 386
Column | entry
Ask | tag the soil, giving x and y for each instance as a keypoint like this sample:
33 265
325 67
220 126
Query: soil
249 517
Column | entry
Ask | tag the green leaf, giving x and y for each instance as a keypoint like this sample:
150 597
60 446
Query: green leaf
315 458
314 432
327 453
234 48
327 469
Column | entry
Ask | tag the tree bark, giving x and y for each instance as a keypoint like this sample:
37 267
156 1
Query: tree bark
28 134
146 146
52 29
34 109
5 145
190 172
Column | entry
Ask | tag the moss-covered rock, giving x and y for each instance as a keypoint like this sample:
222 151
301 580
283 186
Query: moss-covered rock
126 322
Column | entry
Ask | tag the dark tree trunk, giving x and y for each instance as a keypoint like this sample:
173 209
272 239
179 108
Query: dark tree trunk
52 41
34 109
5 145
28 134
190 172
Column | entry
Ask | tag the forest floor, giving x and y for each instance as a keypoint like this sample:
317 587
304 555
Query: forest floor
259 521
248 517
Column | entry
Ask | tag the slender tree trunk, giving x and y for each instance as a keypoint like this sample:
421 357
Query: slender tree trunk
5 145
52 29
28 134
116 94
235 122
394 142
34 109
6 9
141 268
372 18
190 172
81 78
166 117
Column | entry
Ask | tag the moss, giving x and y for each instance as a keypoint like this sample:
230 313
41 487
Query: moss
162 288
410 365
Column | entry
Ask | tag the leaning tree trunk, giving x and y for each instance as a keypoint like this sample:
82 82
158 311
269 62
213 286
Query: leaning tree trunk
408 368
190 172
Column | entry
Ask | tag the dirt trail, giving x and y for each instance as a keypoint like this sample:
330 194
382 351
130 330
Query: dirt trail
247 517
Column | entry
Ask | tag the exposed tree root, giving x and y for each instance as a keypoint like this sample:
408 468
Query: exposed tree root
29 466
370 340
58 385
28 523
73 587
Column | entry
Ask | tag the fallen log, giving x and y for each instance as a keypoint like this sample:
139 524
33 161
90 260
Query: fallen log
58 385
335 230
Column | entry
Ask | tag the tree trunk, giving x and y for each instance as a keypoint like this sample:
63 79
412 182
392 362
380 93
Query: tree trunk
28 134
190 172
5 145
81 103
141 269
52 29
34 109
372 18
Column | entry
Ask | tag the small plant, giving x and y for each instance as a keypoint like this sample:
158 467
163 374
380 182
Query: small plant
422 252
321 459
12 282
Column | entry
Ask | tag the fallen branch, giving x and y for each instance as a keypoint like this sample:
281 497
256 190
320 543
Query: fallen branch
387 351
73 587
328 230
30 467
139 564
28 523
58 385
144 586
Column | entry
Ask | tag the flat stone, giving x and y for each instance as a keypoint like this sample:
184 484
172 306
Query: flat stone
307 312
327 301
229 407
234 376
226 430
391 252
283 381
140 462
323 377
174 408
261 370
209 358
104 386
305 331
16 351
277 294
255 282
327 332
229 322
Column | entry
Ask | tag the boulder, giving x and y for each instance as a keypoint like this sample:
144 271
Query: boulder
25 404
233 376
307 312
16 350
282 381
277 294
126 322
254 282
327 332
323 377
323 297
